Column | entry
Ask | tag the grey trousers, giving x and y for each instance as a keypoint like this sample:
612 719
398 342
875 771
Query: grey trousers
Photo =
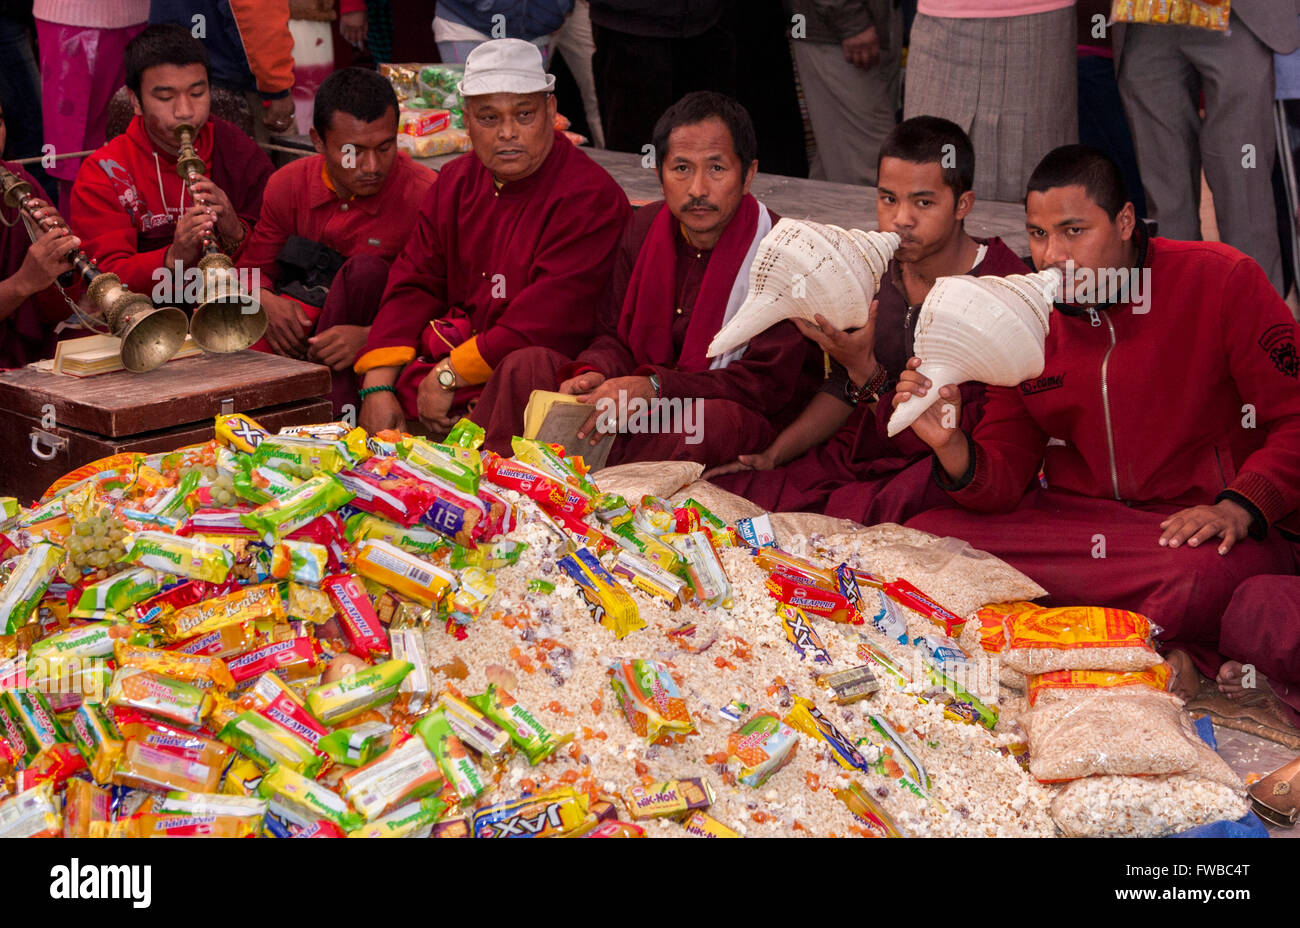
1163 70
851 110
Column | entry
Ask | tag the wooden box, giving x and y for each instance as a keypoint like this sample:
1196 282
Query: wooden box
53 423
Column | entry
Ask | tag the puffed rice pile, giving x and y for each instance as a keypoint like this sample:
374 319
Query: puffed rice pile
552 656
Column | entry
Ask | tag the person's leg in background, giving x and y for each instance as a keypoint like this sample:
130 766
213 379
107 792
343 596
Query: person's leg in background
634 82
575 41
768 91
20 95
1159 87
1102 124
1239 141
851 109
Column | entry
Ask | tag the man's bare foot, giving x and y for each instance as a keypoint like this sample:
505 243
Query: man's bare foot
1185 682
1232 680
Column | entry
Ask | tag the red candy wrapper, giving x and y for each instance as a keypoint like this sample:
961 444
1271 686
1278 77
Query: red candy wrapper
295 658
366 638
398 499
828 604
904 593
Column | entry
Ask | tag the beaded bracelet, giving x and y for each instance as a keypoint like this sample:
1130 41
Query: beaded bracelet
381 388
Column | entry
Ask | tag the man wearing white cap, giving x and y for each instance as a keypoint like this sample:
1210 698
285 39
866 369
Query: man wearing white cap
514 247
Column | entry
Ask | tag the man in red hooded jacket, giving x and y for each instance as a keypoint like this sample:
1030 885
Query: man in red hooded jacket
133 210
682 264
1167 416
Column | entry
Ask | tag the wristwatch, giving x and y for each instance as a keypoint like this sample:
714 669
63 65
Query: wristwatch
446 376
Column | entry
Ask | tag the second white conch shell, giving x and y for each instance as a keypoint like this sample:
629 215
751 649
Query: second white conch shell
805 268
987 329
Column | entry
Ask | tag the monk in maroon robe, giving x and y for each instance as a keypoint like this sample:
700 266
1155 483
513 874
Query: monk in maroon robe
682 264
1167 416
836 458
30 305
513 248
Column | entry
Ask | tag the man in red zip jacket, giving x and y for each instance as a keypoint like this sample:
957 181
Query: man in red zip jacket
1165 417
134 212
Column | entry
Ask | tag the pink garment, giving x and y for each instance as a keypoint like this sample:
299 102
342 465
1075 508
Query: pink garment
81 69
93 14
989 9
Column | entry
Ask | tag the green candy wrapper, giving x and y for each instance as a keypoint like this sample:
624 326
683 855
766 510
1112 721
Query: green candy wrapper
528 734
314 498
117 594
452 756
27 584
357 692
358 745
443 461
363 526
465 434
303 802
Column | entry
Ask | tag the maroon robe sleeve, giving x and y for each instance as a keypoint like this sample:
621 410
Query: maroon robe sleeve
608 354
1007 449
570 270
764 378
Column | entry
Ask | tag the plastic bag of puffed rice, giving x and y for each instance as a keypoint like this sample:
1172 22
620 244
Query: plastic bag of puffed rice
1131 731
1144 807
1041 640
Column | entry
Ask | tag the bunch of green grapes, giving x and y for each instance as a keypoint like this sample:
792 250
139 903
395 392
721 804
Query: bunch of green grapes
301 471
97 542
222 487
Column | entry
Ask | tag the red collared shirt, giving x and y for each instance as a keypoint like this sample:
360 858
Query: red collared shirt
299 201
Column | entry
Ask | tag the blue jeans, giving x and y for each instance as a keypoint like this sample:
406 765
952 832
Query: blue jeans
20 94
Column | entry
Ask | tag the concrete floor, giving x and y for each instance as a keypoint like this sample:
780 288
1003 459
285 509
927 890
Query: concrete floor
1249 754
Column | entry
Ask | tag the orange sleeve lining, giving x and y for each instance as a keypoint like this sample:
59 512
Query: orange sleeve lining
469 363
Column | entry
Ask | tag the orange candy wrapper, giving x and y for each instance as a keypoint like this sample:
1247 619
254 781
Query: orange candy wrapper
1062 681
651 702
204 672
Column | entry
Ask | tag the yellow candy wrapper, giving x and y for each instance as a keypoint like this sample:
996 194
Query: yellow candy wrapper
609 603
27 584
205 672
240 433
403 573
357 692
250 602
174 554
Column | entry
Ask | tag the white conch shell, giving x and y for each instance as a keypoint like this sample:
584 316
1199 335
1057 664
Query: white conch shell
988 329
805 268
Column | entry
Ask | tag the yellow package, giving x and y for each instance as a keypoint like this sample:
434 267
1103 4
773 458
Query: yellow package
357 692
1202 14
1067 681
1040 640
173 554
242 777
240 433
250 602
84 804
309 604
202 671
404 574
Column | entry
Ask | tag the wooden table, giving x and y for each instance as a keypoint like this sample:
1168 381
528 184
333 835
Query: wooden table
53 423
847 205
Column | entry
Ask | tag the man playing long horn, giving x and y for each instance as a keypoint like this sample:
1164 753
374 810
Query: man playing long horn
836 457
135 211
30 307
683 263
1166 424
